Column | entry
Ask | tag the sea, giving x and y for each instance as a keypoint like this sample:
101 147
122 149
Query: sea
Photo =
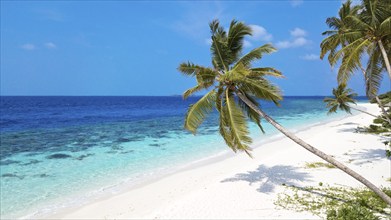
63 152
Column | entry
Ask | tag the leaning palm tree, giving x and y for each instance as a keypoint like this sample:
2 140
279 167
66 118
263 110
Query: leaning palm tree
342 99
234 88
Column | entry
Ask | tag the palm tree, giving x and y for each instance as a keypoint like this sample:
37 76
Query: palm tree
340 35
234 87
369 32
351 36
341 100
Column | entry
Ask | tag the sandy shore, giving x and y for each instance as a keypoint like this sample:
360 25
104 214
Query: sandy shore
240 187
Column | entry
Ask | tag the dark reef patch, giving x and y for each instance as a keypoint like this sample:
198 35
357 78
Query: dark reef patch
58 156
127 152
81 157
8 162
31 162
43 175
12 175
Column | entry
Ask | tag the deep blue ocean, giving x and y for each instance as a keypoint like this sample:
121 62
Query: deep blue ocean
58 152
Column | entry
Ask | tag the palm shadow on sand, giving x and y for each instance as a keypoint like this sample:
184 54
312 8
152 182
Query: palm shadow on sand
368 156
269 177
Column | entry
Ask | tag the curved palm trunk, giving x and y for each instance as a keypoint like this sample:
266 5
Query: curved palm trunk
363 111
383 110
386 61
386 118
315 151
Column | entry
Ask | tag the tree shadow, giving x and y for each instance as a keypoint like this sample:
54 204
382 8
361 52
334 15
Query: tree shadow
368 155
347 123
269 177
347 129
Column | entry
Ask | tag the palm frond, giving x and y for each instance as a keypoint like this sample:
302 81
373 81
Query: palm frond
236 34
266 71
329 43
256 54
357 23
219 48
220 53
251 114
373 73
191 91
197 112
351 60
190 69
385 27
205 77
237 124
259 88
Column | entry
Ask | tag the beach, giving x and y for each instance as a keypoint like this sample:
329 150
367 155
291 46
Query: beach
241 187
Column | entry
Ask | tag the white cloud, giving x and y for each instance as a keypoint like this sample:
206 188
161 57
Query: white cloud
298 32
297 39
310 57
260 33
296 3
50 45
247 44
28 47
298 42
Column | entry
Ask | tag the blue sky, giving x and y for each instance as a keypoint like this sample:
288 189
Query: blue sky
134 47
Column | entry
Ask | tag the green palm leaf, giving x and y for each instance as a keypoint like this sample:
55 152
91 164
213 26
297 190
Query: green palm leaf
351 60
236 34
251 114
373 72
256 54
385 27
266 71
197 112
261 89
237 124
193 90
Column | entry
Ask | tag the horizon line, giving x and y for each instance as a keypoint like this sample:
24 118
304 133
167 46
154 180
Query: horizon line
146 95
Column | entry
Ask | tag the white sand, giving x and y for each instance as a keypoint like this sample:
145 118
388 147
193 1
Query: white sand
240 187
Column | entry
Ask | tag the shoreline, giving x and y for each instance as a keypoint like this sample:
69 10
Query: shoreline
79 200
125 183
163 193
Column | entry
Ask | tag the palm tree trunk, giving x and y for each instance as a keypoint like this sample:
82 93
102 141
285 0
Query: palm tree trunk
384 119
386 61
376 97
315 151
383 110
363 111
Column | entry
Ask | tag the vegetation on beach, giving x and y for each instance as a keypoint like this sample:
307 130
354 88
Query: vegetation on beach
335 202
385 98
318 165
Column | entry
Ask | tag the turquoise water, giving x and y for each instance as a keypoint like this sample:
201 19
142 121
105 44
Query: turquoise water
63 152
